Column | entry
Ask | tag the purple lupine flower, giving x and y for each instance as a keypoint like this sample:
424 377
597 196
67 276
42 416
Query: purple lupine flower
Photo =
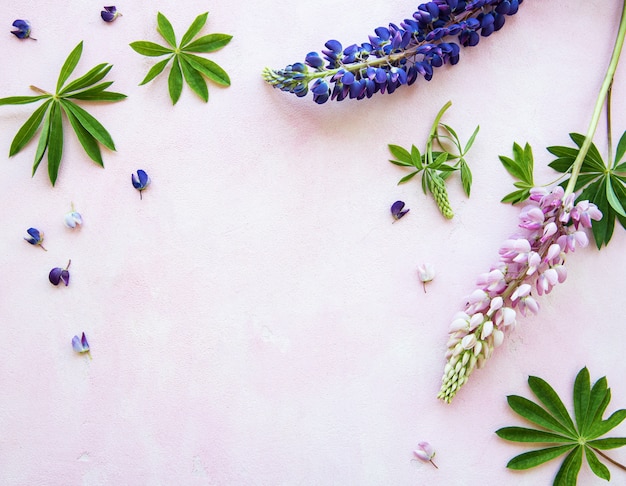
58 275
109 14
398 211
425 452
140 181
73 218
80 344
531 264
35 238
396 55
22 29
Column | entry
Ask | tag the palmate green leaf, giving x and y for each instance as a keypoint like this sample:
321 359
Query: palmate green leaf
210 69
568 473
538 415
593 155
55 142
602 427
70 64
175 81
582 396
22 100
551 400
194 29
408 177
537 457
609 443
150 49
164 27
194 79
43 139
516 196
28 130
401 154
91 77
92 125
155 70
599 398
596 466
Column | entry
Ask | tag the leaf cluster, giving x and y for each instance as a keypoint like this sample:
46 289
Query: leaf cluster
49 115
185 64
577 437
602 183
521 167
436 165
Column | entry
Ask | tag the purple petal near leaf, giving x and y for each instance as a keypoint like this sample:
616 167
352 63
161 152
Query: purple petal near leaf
396 210
23 29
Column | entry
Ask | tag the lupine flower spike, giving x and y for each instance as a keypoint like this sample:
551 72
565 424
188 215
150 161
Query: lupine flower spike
73 218
426 273
22 29
140 181
109 14
425 452
36 237
532 263
58 275
81 345
396 55
398 211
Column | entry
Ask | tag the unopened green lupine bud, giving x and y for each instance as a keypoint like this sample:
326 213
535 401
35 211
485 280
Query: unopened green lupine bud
440 193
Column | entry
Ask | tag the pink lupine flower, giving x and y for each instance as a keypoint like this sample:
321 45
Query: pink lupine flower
531 263
425 452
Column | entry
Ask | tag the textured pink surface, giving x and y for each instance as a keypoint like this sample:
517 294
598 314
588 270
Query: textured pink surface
256 318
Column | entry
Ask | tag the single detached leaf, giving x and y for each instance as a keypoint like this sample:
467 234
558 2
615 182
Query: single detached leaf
164 27
28 130
194 79
155 70
535 458
55 143
151 49
210 69
596 466
209 43
194 28
69 65
568 473
175 82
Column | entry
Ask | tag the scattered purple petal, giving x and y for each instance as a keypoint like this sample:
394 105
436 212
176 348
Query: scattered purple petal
80 345
109 14
397 210
58 275
22 29
140 181
36 237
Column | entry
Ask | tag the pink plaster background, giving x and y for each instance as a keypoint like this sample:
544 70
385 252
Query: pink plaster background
256 319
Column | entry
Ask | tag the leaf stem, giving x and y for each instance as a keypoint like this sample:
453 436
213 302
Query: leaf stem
615 463
602 97
39 90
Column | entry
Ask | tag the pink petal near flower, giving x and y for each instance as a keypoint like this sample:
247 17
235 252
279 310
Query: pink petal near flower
425 452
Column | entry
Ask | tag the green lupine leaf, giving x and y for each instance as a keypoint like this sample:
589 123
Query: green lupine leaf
401 164
537 415
28 130
208 43
537 457
523 434
194 79
612 198
22 100
194 28
438 162
175 81
546 394
401 154
529 162
408 177
155 70
568 473
564 152
91 77
164 27
98 95
562 164
69 65
597 398
620 168
55 143
621 149
516 196
471 140
514 168
210 69
151 49
89 143
593 155
600 428
466 178
596 466
610 443
583 180
602 230
92 125
582 393
416 158
43 139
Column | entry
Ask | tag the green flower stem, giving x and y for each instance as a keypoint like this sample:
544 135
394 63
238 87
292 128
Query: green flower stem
602 97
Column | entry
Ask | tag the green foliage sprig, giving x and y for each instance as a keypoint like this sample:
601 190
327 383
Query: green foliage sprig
435 165
89 131
577 436
184 63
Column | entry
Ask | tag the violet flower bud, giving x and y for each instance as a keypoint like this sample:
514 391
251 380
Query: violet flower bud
36 237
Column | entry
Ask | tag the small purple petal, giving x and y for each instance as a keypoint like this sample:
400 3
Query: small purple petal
65 276
396 210
111 9
55 275
83 341
76 344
